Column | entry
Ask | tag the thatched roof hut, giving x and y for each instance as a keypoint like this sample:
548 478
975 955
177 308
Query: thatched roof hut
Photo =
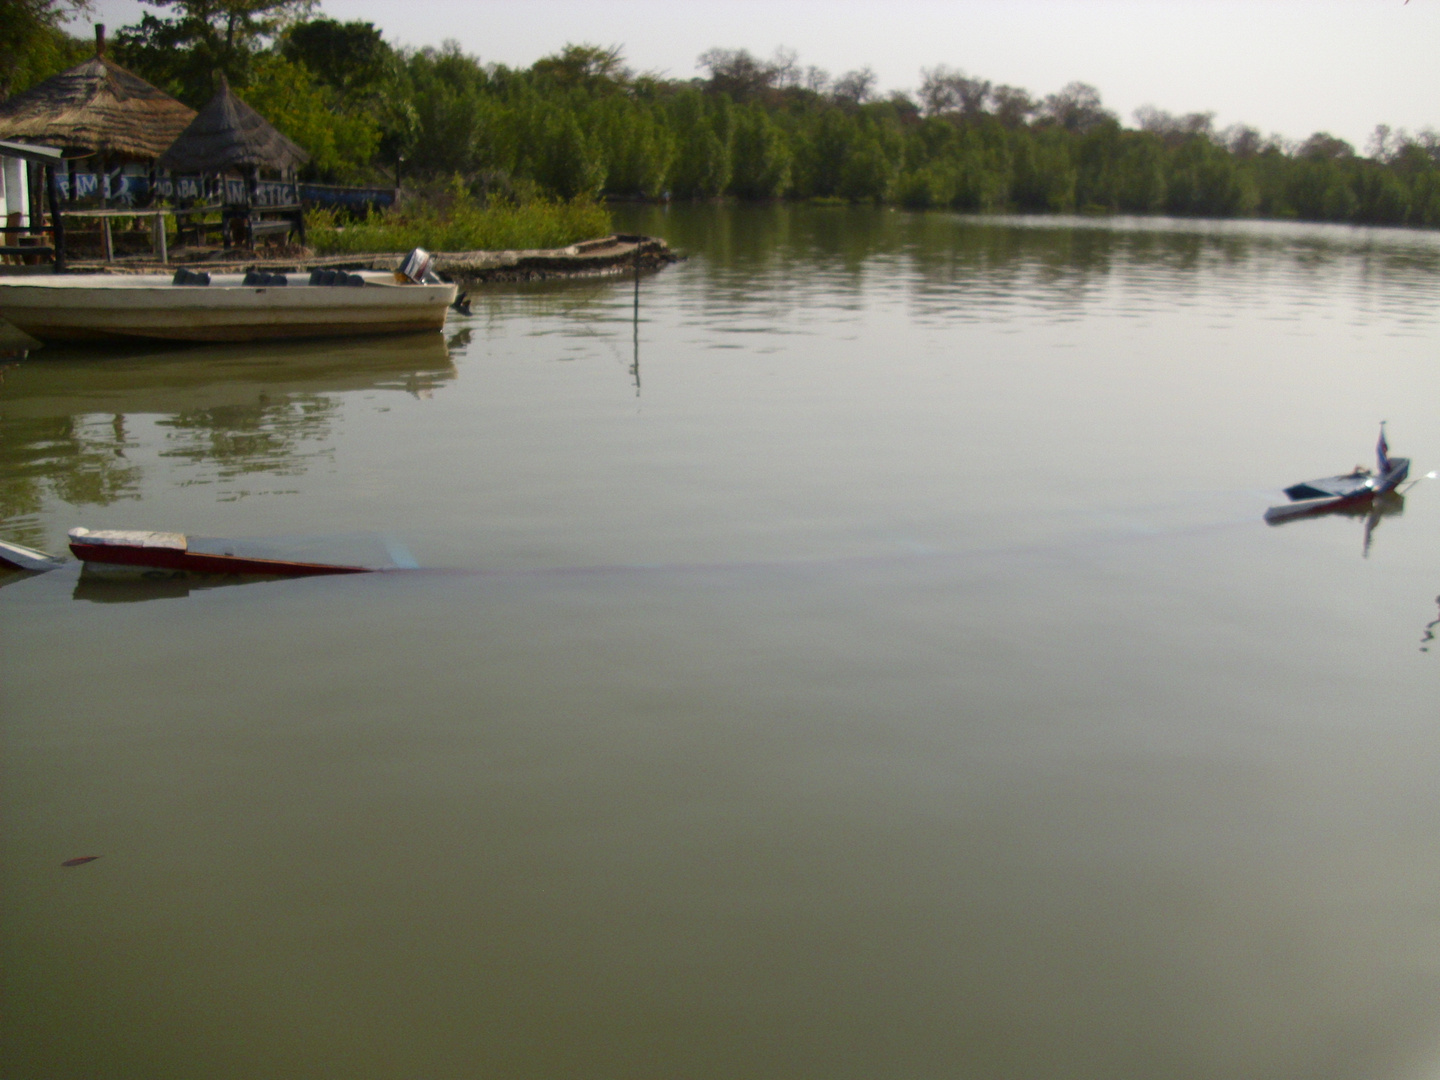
230 135
97 107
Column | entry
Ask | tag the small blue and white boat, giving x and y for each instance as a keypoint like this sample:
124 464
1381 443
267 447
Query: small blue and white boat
1346 491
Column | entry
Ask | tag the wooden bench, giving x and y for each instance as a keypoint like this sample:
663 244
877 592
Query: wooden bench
263 227
285 220
28 245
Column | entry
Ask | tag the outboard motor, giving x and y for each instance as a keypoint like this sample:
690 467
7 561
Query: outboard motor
418 267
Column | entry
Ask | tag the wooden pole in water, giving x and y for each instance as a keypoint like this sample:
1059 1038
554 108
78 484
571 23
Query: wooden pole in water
636 368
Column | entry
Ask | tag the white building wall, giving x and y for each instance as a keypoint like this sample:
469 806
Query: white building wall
14 188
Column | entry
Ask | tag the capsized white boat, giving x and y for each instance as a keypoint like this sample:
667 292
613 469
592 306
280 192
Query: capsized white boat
224 307
18 557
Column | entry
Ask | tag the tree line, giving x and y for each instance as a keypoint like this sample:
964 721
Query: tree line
580 124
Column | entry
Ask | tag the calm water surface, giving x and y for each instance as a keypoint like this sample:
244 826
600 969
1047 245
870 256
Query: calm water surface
870 663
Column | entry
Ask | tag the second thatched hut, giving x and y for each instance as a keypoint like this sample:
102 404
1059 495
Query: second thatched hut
229 136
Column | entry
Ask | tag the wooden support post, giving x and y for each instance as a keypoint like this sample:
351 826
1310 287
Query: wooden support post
35 181
109 240
159 233
252 199
57 222
635 368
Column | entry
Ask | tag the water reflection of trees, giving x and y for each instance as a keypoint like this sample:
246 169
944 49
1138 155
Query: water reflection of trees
751 251
78 459
275 437
75 426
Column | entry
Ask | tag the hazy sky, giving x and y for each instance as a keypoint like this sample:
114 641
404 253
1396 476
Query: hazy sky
1287 66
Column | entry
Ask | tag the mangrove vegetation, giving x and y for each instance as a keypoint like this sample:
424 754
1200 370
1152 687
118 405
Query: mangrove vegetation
581 125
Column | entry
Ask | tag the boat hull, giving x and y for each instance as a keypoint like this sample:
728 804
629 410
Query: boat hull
17 557
1388 482
178 553
193 563
101 307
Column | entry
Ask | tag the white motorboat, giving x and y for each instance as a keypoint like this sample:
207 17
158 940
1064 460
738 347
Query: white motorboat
223 307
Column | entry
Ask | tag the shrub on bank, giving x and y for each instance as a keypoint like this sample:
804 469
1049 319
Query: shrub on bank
460 224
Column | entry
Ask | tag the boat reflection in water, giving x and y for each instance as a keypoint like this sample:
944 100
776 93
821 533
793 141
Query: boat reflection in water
155 585
10 577
167 380
75 424
1390 504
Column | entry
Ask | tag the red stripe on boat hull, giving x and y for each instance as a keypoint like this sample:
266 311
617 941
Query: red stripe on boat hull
171 559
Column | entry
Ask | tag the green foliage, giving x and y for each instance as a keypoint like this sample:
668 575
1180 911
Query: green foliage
1318 190
32 44
587 67
869 171
1121 171
453 106
1044 174
566 160
578 125
289 97
457 222
637 145
351 58
1382 197
1137 177
1205 181
1425 206
183 50
952 162
703 166
761 160
932 186
824 144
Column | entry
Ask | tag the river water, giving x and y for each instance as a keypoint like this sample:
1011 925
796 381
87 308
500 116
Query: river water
868 661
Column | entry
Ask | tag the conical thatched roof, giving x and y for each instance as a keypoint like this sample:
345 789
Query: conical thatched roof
228 134
96 106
